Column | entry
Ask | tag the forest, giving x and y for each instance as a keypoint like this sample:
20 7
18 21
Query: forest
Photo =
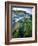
21 25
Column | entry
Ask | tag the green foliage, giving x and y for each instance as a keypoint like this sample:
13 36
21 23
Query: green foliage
28 32
24 30
15 34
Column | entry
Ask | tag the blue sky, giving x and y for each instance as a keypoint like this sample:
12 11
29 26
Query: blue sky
28 10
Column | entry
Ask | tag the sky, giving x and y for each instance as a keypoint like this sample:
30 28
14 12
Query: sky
28 10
